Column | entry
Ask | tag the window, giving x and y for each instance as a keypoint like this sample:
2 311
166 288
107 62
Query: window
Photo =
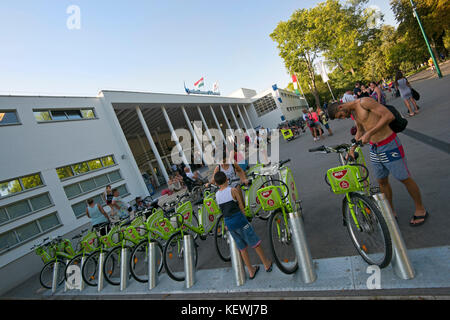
64 115
31 182
42 115
49 222
82 187
25 207
80 168
8 118
108 161
265 105
88 114
84 167
64 173
28 231
79 209
16 185
15 237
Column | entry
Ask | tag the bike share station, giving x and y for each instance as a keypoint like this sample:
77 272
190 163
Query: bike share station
407 270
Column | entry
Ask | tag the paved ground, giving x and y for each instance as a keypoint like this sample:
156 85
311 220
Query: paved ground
427 147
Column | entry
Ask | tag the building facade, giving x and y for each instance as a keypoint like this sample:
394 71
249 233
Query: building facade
57 152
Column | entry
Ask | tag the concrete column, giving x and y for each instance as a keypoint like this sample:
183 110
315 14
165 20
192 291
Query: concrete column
248 117
149 161
175 137
226 118
206 126
242 118
152 144
234 118
217 123
162 148
191 129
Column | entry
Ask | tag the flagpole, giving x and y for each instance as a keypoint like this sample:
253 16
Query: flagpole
298 83
334 99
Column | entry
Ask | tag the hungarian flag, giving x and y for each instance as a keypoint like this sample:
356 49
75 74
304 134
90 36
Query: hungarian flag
200 83
295 83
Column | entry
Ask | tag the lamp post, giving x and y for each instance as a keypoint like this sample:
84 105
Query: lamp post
438 70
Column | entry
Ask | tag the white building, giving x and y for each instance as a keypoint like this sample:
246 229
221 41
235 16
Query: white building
57 152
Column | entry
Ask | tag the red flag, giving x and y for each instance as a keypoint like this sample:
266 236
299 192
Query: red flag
294 78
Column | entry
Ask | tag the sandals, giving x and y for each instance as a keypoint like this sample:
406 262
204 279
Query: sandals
270 268
418 218
256 271
410 115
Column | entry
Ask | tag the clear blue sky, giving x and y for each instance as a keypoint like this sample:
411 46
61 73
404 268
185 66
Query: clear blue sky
143 45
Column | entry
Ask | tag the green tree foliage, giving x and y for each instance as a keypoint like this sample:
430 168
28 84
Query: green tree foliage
435 17
355 45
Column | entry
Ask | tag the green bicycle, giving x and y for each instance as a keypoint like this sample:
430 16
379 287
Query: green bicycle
361 215
55 252
158 228
89 270
88 244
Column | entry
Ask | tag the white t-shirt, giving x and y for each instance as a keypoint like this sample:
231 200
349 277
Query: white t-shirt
348 97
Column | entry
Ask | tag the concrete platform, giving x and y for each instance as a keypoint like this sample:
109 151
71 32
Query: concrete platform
342 276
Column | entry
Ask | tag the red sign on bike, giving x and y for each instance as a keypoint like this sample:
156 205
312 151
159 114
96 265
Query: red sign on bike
266 194
187 215
344 184
271 203
340 174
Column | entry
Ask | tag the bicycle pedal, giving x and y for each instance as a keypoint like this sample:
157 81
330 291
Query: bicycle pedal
202 238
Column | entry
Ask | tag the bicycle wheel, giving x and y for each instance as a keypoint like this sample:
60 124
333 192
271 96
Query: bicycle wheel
111 268
264 215
281 244
46 275
89 271
76 261
221 240
173 257
371 239
139 260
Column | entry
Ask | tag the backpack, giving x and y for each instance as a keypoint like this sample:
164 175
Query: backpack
399 123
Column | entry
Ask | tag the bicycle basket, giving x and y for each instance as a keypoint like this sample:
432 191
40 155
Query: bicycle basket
186 211
89 243
270 198
345 179
211 206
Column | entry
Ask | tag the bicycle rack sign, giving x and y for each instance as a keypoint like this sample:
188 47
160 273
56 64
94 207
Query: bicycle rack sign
400 259
236 261
189 266
305 262
152 266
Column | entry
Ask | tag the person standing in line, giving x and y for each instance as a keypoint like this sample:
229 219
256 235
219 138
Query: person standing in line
310 124
357 91
315 117
231 204
324 121
348 96
402 84
377 93
97 215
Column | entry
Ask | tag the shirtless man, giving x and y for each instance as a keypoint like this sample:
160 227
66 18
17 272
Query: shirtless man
386 154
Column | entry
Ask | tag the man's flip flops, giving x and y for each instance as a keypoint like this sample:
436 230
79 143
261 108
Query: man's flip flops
418 218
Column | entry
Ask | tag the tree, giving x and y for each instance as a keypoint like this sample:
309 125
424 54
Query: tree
435 17
298 47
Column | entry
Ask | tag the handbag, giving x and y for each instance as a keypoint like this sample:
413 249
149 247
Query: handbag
415 94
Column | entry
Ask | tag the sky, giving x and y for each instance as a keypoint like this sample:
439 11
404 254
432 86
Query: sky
143 45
